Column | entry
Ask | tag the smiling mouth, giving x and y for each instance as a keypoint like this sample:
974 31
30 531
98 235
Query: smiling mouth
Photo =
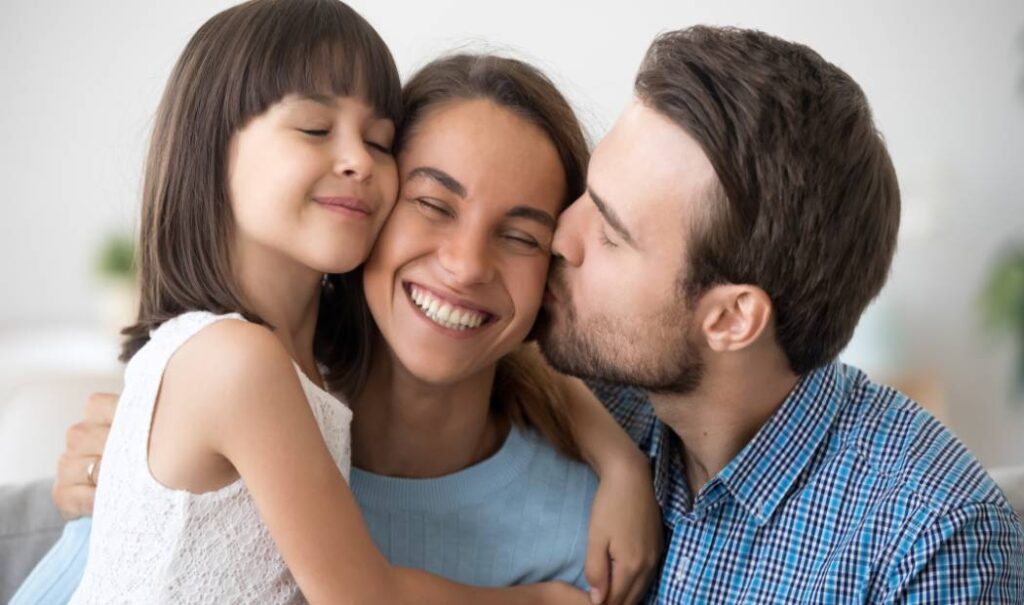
445 313
345 205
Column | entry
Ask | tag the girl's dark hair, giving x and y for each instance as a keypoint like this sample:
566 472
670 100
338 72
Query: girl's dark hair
239 63
524 388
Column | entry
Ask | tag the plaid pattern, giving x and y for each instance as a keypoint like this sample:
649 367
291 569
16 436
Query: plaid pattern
850 493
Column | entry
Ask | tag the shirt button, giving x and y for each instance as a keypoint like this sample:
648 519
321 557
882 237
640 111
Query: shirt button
684 563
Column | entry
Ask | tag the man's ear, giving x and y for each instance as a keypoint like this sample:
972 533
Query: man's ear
733 316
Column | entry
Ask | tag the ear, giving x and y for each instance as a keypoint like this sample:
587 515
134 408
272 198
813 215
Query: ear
734 316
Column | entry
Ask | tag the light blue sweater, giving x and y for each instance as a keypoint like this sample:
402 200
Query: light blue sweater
521 516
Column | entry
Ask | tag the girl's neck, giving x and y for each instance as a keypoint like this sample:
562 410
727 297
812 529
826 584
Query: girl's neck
406 427
284 294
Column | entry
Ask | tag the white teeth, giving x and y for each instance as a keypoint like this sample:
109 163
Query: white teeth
443 313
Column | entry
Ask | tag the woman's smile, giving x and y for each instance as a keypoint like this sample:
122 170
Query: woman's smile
453 315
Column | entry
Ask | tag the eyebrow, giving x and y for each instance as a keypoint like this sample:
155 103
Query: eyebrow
441 177
533 214
452 184
611 218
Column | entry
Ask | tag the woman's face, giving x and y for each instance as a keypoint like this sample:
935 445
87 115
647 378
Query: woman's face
457 276
312 179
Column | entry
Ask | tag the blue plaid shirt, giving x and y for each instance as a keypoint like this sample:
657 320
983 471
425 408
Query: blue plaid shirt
850 493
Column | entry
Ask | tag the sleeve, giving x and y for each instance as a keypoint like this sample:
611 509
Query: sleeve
58 575
631 409
974 554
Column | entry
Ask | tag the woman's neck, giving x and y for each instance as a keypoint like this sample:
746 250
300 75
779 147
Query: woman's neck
406 427
284 294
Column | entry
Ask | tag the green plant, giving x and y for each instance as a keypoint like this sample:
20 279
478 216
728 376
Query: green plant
1003 302
116 257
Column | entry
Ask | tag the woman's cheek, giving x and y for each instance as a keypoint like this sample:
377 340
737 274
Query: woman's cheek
530 281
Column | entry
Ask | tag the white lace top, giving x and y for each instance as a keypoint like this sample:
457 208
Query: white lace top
151 544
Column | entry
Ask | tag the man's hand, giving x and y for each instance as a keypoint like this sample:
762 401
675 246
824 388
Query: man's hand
75 487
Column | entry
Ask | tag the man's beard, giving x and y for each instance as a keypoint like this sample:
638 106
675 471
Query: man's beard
657 353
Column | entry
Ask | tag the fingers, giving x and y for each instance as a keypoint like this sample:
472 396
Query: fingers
630 576
99 408
86 439
92 470
597 569
74 501
622 576
75 470
638 588
73 492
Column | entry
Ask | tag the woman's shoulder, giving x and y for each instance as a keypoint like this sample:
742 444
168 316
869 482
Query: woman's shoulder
546 459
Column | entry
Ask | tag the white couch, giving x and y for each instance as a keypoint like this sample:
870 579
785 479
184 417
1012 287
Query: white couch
34 417
46 373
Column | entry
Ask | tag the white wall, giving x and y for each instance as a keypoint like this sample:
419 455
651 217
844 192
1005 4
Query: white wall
80 81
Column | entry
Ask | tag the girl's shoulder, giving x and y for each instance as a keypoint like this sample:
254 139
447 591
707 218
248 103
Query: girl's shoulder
229 380
231 352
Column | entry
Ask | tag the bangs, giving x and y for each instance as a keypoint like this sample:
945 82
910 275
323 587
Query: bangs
313 47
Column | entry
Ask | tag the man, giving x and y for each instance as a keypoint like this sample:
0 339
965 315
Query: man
740 216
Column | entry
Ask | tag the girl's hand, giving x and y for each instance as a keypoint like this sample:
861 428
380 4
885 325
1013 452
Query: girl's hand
625 538
555 593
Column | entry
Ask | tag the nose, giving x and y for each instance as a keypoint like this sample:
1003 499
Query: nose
352 158
465 258
568 240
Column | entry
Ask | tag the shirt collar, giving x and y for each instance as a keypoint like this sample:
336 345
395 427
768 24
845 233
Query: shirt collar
765 470
662 457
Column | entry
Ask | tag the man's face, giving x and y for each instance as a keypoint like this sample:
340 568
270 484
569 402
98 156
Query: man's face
616 308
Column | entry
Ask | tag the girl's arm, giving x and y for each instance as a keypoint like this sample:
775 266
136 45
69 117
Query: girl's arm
625 538
249 407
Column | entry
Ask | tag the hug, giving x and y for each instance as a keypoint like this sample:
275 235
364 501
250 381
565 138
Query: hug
419 343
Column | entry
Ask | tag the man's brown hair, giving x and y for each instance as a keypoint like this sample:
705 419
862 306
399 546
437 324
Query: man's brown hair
806 205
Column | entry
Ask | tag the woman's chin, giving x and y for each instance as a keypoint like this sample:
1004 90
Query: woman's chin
432 369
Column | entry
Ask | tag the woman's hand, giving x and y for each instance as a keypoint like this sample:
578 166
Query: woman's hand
625 538
78 468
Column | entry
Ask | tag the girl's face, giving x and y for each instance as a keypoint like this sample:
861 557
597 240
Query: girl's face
312 180
457 276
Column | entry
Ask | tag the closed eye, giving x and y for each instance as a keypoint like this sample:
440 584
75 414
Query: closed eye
605 241
315 132
523 241
379 147
432 208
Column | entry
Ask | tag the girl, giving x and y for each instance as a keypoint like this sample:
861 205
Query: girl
201 470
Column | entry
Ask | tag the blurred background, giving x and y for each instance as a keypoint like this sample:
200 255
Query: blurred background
81 80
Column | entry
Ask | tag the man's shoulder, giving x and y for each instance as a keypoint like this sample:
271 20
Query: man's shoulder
904 446
630 407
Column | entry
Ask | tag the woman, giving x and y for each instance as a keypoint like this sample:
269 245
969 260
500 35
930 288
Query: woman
465 451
